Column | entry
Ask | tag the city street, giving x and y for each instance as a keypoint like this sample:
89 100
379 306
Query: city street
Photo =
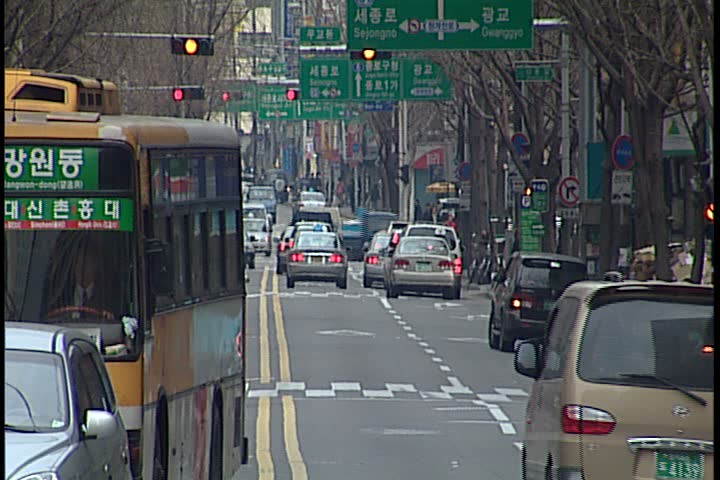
347 384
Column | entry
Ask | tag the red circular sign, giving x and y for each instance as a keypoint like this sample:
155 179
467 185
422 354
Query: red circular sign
569 191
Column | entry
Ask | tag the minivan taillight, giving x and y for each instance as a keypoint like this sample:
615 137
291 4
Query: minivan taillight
446 264
520 300
457 263
336 258
297 257
586 420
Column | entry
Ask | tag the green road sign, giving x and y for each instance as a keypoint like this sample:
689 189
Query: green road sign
439 24
539 200
375 80
424 79
533 73
341 79
272 104
243 99
274 69
325 78
319 35
319 110
531 230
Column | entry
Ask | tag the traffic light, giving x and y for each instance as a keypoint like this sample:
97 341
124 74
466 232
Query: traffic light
405 173
528 191
709 212
369 54
192 45
292 94
225 96
188 93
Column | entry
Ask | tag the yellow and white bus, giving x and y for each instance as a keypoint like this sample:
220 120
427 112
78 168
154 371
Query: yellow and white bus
130 228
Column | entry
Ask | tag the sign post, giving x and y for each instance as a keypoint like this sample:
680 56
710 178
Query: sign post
622 152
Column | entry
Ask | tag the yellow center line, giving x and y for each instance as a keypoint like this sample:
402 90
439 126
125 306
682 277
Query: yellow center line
292 445
264 342
280 332
262 441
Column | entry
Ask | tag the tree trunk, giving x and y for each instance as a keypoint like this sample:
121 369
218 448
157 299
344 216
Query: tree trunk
646 122
478 207
391 179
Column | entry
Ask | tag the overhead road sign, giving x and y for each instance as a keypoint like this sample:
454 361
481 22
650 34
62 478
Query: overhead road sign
375 80
440 24
272 103
320 36
273 69
533 72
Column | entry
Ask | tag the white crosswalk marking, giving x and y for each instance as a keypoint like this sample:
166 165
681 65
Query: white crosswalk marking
436 395
290 386
319 393
517 392
378 394
401 387
346 386
493 397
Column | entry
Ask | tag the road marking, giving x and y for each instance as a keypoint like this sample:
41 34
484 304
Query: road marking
262 441
401 387
393 312
467 339
385 303
262 393
430 351
437 359
518 445
423 344
346 333
290 386
499 415
412 335
407 327
444 368
507 428
442 395
346 386
292 446
455 387
283 353
320 393
264 342
398 317
457 409
492 397
518 392
378 393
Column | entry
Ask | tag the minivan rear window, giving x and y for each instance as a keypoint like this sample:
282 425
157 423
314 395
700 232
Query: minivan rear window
433 232
547 273
628 342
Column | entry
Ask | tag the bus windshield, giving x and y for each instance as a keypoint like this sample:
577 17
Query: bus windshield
80 278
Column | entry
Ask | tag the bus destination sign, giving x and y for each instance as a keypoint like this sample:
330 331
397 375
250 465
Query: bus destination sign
69 214
51 168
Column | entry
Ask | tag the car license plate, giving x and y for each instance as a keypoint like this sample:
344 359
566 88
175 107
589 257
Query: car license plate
317 260
683 465
423 267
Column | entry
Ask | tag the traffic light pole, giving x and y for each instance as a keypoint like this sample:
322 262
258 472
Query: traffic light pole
403 191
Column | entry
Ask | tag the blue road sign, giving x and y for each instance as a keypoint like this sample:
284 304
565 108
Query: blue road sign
622 152
378 106
464 171
521 142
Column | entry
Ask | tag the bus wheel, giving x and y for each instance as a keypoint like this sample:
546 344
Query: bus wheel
160 451
216 442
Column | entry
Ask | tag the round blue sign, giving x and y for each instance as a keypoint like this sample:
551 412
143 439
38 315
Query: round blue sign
521 142
622 152
464 171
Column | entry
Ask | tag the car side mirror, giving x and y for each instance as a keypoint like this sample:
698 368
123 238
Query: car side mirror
365 247
527 359
158 256
99 424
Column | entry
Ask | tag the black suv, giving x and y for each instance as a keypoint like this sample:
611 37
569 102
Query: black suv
525 291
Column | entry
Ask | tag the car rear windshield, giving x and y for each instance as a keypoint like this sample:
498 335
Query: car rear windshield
629 342
433 232
252 212
380 242
254 225
312 197
261 194
419 246
552 274
308 240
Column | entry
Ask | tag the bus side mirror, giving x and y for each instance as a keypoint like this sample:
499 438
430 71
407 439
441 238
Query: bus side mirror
159 266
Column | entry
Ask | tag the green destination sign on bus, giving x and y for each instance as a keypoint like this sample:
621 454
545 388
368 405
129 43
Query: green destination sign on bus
69 214
51 168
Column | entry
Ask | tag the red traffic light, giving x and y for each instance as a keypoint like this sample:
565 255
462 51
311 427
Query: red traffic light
292 94
178 94
225 96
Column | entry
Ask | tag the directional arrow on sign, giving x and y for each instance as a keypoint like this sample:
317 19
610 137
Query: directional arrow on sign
358 84
472 25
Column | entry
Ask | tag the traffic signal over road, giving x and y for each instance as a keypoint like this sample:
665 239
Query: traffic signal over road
369 54
225 96
709 212
188 93
292 94
192 45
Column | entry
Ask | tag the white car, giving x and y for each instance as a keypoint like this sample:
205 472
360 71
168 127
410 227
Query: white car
311 199
259 231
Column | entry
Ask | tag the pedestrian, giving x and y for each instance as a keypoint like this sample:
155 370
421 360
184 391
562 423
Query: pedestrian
450 222
418 210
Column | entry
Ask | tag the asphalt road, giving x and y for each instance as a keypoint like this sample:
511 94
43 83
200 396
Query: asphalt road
345 384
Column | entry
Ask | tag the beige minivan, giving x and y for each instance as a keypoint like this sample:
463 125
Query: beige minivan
623 384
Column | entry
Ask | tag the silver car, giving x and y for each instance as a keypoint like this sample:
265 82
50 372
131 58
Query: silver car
259 232
422 264
373 259
61 417
318 256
